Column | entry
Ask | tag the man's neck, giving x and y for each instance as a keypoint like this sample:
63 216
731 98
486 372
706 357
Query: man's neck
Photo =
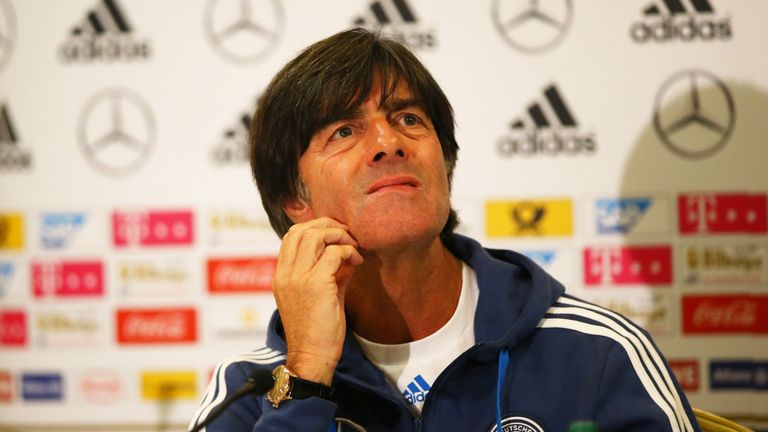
405 296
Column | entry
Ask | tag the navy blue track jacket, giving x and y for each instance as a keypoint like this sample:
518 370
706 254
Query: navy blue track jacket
542 360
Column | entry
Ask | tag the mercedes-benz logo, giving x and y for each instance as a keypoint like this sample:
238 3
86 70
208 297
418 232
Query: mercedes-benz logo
694 114
531 27
243 30
116 131
7 31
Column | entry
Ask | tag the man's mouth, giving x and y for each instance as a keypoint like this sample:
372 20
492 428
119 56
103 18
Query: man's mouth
393 181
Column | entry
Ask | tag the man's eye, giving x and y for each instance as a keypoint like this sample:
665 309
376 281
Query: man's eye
410 120
342 132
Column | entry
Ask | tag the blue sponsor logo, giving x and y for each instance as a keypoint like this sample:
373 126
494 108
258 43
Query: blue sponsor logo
543 258
738 375
58 229
619 215
42 387
416 391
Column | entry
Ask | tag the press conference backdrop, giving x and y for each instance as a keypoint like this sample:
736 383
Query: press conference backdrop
622 145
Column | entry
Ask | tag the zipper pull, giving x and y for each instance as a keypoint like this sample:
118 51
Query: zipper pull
418 423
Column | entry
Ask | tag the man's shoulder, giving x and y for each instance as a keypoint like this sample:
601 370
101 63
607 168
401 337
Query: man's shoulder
578 322
568 307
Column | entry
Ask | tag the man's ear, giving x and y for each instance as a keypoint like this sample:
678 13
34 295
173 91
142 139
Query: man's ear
298 210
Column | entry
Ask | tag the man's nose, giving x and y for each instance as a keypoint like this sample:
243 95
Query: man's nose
388 145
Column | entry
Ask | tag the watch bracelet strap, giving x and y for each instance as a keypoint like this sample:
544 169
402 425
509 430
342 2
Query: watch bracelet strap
302 389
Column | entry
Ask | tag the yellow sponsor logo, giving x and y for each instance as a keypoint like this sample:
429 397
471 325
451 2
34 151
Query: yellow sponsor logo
164 386
552 217
11 231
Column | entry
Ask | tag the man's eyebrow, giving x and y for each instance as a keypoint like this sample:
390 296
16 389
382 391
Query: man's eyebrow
393 104
347 114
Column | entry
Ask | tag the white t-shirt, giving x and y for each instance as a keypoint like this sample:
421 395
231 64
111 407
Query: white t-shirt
412 367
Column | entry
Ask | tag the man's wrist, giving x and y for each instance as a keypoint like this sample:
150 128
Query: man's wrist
288 386
312 369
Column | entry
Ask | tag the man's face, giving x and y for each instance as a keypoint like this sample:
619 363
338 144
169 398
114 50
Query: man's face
381 172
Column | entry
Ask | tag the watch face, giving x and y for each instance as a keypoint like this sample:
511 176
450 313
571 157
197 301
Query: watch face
280 391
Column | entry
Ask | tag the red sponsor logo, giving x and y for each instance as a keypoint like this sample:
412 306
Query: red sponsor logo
156 326
647 265
241 275
101 386
13 328
687 373
725 314
68 279
723 213
152 228
6 387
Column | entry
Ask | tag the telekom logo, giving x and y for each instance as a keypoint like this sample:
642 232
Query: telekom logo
241 275
68 279
156 326
648 265
725 314
723 213
13 328
152 228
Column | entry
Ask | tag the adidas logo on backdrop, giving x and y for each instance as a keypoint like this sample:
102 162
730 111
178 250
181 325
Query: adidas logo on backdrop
683 20
416 391
12 156
396 19
104 34
232 149
548 127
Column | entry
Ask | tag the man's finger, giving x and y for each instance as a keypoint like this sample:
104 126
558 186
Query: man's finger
314 242
292 240
334 256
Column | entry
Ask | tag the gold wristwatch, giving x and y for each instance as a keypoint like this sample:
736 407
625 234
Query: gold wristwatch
289 386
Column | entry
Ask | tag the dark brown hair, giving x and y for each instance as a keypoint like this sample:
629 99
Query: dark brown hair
321 85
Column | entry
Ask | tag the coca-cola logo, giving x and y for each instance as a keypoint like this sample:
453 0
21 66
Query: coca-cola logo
736 314
157 326
101 386
241 275
725 314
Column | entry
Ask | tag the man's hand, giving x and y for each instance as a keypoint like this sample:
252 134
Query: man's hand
314 268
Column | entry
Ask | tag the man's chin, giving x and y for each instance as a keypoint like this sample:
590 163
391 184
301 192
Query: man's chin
394 236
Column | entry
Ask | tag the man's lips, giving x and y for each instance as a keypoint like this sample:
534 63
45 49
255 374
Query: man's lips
393 181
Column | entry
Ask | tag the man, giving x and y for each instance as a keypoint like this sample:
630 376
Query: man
389 321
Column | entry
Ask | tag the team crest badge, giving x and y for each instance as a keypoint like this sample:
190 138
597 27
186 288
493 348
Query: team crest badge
516 424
